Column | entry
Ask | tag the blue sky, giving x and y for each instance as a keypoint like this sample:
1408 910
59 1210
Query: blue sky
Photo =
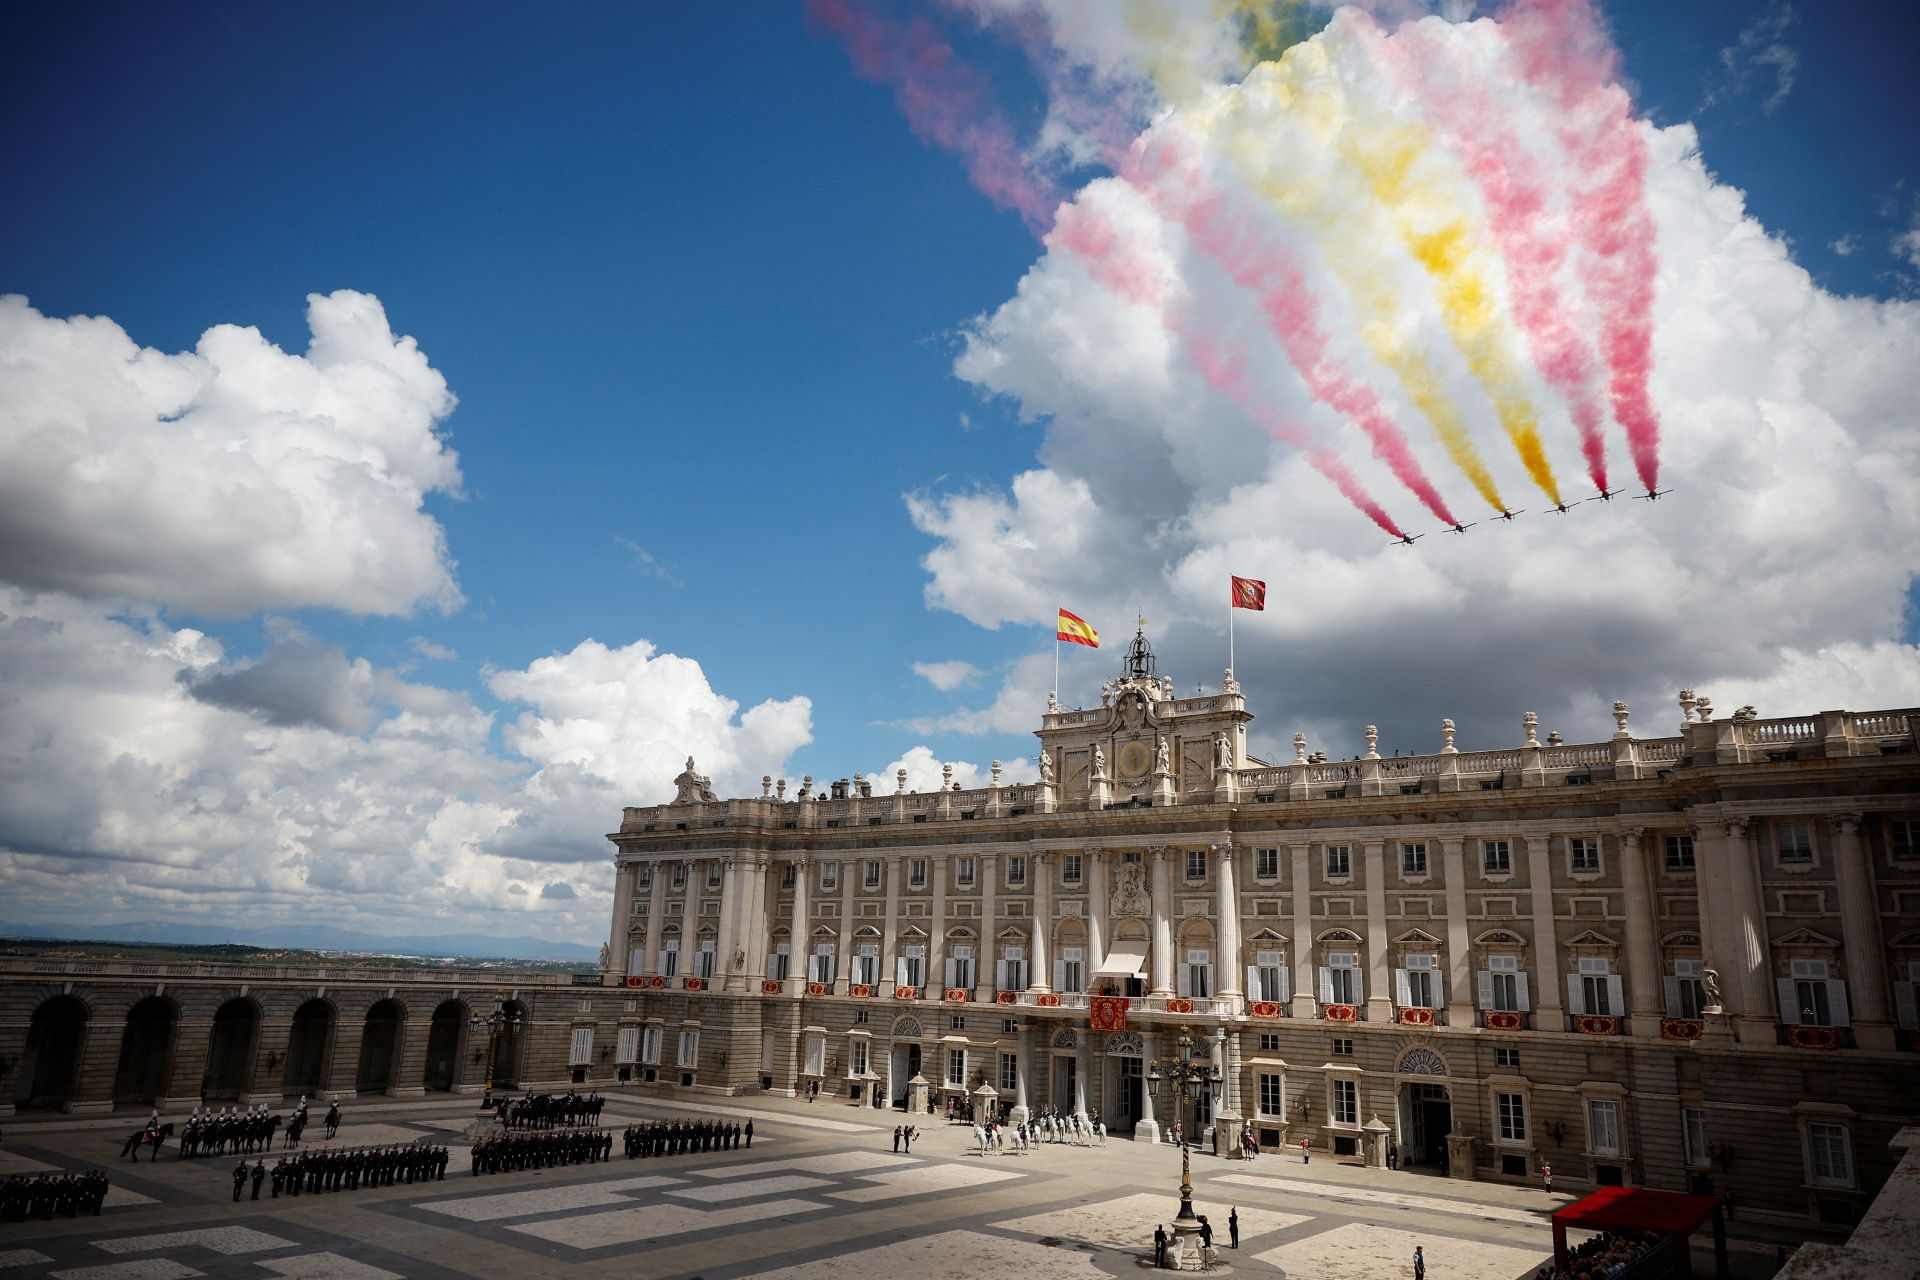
700 291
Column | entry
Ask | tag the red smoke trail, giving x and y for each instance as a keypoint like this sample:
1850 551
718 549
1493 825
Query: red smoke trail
1225 231
1564 50
1223 364
1534 245
945 101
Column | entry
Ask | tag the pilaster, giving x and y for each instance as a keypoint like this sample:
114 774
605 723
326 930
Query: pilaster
1162 859
1460 995
989 873
1040 868
1644 1000
1379 973
800 930
1549 1010
1301 886
1098 893
1228 964
1860 932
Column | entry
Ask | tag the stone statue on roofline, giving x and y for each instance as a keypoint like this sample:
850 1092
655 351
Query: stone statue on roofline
693 786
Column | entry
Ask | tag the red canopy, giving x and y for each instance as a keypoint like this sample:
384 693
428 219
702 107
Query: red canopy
1640 1209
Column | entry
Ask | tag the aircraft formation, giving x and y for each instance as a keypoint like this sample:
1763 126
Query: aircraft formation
1559 508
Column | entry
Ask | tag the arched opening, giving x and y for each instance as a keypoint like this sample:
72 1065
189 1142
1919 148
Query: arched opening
1426 1111
505 1068
443 1046
309 1046
146 1051
49 1067
380 1046
230 1051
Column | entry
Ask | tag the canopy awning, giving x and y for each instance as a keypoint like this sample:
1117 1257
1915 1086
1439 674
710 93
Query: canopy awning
1124 960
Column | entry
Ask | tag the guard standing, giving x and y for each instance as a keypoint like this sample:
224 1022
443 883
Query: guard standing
1159 1246
1233 1228
259 1176
239 1179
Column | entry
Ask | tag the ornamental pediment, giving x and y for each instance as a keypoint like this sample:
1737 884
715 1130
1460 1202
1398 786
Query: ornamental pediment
1804 937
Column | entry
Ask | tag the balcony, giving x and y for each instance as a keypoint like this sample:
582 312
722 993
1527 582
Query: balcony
1596 1024
1803 1037
1420 1016
1681 1029
1503 1020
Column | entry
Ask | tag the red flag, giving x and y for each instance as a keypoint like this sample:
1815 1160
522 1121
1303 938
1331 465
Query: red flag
1249 593
1107 1013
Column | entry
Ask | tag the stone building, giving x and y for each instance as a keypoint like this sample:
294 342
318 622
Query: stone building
1667 961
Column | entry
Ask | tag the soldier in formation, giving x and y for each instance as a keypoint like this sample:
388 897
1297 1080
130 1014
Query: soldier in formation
511 1152
679 1137
351 1168
230 1132
52 1195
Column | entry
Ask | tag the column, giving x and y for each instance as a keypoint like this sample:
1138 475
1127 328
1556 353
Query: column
937 924
754 920
1301 886
989 873
1460 993
1146 1128
1227 933
657 916
1861 935
727 936
623 873
889 926
1162 919
1083 1067
1023 1068
1644 1000
1096 913
1379 972
1040 868
1709 876
849 919
1549 1005
1226 1117
1748 935
800 930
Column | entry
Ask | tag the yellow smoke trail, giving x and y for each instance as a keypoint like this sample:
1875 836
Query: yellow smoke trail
1310 104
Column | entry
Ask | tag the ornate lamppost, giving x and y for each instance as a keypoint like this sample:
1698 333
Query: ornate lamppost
495 1023
1185 1078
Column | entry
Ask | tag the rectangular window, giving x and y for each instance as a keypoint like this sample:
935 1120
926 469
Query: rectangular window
1694 1135
645 878
913 966
861 1017
963 871
1413 858
1009 1073
1584 852
650 1046
581 1050
1339 861
679 875
1199 974
1013 969
1506 1058
1343 1047
1512 1108
813 1060
1070 869
917 873
779 962
859 1050
1903 835
822 970
1266 864
1341 985
1269 976
1595 987
1794 841
689 1055
1811 995
1687 991
1830 1154
703 961
962 963
866 964
1016 869
1196 864
670 958
1496 857
829 875
1679 853
1603 1127
788 874
956 1066
1270 1042
873 874
714 872
1271 1103
627 1045
1346 1102
1419 976
1073 969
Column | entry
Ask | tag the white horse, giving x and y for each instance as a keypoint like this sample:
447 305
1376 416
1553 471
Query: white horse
980 1136
1100 1132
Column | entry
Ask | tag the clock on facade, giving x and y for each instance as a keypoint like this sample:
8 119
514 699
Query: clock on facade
1134 758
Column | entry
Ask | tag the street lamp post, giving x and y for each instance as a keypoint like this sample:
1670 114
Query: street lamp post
1185 1078
495 1023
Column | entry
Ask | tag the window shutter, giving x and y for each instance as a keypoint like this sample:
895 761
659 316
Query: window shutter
1906 1009
899 971
1837 1001
1401 996
1252 989
1326 985
629 1046
1789 1002
1286 983
1576 1000
1520 992
637 960
1616 1005
1671 985
582 1046
950 972
1000 975
1486 989
1359 986
1059 974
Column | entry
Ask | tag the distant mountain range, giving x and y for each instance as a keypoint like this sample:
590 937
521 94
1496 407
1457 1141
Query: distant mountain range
311 938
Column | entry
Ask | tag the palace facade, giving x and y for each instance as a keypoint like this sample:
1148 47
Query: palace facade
1676 961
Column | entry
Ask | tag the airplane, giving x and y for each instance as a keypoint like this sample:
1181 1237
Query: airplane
1408 539
1652 495
1461 528
1564 507
1607 495
1509 515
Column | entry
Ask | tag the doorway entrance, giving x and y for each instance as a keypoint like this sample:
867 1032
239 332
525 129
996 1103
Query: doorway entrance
1066 1073
1426 1118
906 1065
50 1064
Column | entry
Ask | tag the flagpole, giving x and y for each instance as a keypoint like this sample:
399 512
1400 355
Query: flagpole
1056 666
1229 629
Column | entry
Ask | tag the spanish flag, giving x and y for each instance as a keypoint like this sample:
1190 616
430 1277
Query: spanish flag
1076 631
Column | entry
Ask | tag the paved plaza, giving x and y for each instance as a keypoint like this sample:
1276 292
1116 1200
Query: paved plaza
821 1193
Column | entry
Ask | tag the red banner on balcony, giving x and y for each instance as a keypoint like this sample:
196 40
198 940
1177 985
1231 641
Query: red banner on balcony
816 988
1813 1037
957 995
1502 1020
1007 997
1680 1029
1597 1024
859 989
1107 1013
906 993
635 980
1179 1004
1264 1008
1339 1013
1414 1016
656 982
769 987
1047 999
